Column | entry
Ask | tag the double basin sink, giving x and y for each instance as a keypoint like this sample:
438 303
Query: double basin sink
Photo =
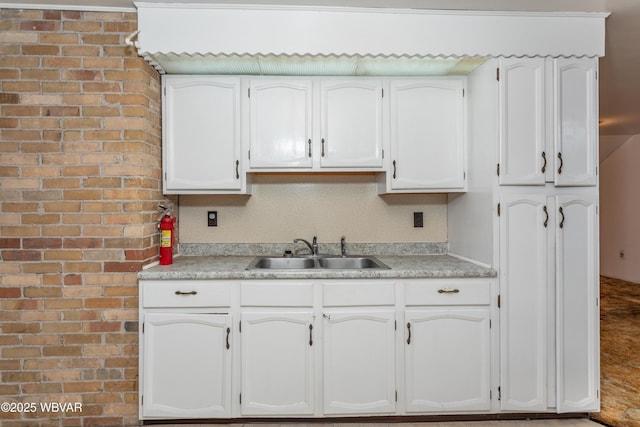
316 262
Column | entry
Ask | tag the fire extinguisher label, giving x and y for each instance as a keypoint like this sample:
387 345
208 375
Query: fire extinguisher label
165 239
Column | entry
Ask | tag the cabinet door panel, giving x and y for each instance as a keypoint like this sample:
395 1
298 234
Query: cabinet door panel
522 122
359 362
447 364
277 364
427 135
576 131
577 304
523 314
202 134
281 124
351 123
187 366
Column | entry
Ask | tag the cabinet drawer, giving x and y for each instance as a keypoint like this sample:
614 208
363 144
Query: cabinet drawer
355 293
185 293
447 292
280 294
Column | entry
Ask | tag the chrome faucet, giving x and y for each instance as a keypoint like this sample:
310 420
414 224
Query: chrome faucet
313 247
343 246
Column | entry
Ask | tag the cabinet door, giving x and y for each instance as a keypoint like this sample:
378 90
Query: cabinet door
523 159
281 123
201 134
524 225
351 123
427 134
577 314
187 366
359 362
277 364
576 122
447 363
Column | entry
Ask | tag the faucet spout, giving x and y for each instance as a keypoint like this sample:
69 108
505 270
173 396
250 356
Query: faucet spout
313 247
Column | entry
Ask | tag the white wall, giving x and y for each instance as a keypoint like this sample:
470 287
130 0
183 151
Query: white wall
620 211
283 207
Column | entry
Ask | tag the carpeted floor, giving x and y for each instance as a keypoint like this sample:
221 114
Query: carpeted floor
619 353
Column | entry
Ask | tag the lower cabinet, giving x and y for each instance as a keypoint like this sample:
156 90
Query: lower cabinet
186 365
277 366
359 362
447 363
305 348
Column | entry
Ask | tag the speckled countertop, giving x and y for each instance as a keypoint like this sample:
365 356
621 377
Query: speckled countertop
233 267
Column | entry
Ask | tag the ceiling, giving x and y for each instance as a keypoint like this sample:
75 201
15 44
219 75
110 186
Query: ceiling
619 68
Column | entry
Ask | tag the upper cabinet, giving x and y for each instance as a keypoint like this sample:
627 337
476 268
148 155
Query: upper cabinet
427 135
576 122
351 123
548 121
315 124
202 135
281 124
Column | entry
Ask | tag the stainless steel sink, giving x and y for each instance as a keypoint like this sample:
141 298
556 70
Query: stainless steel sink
350 263
281 263
320 262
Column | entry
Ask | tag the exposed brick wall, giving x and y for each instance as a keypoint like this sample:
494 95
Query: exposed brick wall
80 170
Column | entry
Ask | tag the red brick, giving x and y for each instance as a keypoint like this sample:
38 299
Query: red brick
21 255
39 26
9 243
42 243
9 98
10 292
83 243
119 267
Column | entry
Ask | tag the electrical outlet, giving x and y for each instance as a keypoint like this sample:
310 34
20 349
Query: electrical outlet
212 218
418 220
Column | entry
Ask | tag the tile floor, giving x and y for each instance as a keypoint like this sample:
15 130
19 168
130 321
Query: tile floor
619 353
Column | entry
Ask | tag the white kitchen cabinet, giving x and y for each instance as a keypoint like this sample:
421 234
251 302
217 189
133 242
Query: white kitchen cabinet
541 253
351 123
280 123
427 135
548 121
577 312
447 359
291 129
524 222
359 362
202 135
277 363
523 124
187 365
576 122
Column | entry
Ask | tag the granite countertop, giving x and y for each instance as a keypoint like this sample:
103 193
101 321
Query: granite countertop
230 267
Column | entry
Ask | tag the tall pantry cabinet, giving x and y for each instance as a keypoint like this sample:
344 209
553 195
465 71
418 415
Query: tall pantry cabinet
548 234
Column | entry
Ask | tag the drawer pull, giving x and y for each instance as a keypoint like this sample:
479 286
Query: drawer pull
228 332
186 293
310 335
448 291
409 329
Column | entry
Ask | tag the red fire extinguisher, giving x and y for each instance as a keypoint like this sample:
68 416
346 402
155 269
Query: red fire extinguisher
167 226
